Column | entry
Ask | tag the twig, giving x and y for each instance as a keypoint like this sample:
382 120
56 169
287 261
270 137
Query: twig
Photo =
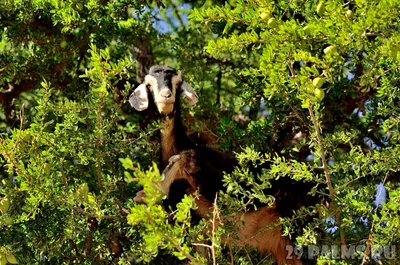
204 127
374 34
295 112
15 167
75 248
201 245
98 143
178 16
63 176
80 211
328 177
285 97
81 47
292 72
351 181
266 257
21 114
287 8
34 208
231 252
248 256
215 213
176 246
325 166
103 140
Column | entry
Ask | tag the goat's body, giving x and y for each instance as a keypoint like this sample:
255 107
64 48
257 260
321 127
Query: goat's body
260 229
188 168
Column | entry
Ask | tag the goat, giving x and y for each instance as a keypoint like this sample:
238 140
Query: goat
160 93
201 168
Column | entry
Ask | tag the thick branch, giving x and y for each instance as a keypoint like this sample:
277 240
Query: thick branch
82 45
7 97
144 58
218 86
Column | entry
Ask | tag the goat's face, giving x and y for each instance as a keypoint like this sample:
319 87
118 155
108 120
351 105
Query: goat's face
165 84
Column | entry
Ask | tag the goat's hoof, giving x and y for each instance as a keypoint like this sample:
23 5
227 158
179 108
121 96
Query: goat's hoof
139 197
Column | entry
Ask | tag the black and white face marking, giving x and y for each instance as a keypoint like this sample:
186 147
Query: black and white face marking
163 82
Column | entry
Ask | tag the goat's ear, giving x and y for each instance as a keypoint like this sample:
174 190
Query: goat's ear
139 99
189 94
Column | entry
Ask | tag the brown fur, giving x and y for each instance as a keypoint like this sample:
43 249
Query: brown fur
168 140
259 229
179 167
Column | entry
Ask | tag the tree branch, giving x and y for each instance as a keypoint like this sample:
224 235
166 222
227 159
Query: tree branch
7 97
328 177
325 165
144 57
178 16
218 86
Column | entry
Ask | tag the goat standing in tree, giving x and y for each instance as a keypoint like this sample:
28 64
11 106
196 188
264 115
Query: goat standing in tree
201 168
161 93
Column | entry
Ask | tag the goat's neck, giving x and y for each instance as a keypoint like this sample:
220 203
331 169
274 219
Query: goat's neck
173 139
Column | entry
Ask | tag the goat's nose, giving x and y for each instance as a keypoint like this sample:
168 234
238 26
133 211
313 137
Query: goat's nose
166 93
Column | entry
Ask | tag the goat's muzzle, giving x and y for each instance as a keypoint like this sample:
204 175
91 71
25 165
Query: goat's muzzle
165 106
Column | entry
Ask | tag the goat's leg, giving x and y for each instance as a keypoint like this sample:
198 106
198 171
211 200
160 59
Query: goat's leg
262 230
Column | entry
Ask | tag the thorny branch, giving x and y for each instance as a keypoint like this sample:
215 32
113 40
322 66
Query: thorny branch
325 165
98 145
328 177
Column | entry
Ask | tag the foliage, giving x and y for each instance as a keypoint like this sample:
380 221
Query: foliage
309 87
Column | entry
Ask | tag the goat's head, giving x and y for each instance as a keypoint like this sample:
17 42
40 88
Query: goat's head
165 86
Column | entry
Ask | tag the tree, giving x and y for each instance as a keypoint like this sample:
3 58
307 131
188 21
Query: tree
314 86
66 72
